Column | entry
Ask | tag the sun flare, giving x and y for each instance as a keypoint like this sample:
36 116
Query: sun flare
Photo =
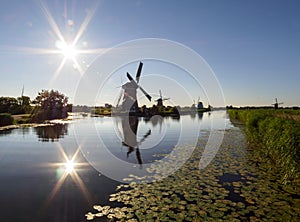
69 166
67 169
67 50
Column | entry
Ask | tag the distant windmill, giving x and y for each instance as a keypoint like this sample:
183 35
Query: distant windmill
200 104
276 104
22 93
160 99
129 103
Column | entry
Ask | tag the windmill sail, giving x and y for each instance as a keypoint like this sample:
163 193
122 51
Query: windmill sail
138 73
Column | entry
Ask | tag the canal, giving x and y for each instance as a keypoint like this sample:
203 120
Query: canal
140 169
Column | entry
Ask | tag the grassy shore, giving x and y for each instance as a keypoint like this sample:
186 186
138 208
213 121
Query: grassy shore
275 135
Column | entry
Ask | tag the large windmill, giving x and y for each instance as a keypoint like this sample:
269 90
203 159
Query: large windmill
276 104
160 99
129 103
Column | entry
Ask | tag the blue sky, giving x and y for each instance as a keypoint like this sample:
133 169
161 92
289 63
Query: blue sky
253 47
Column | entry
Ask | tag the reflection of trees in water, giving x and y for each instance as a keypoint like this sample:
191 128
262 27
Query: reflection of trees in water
155 120
22 131
5 132
51 133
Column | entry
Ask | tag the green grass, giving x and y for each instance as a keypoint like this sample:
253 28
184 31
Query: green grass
275 135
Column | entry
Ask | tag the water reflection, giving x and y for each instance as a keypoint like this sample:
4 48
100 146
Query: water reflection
5 132
129 128
200 115
34 173
68 167
51 133
146 140
156 120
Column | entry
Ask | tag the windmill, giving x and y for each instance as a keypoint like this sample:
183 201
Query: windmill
200 104
160 100
276 104
129 103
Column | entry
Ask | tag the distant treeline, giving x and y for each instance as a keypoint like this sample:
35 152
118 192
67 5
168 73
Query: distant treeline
261 107
15 106
275 136
49 104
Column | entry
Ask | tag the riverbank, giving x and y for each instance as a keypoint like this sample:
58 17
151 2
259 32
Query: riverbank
230 188
22 121
275 136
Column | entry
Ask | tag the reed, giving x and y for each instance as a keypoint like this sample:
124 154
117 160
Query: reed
275 134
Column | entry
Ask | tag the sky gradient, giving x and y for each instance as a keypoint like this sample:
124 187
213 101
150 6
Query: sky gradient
253 47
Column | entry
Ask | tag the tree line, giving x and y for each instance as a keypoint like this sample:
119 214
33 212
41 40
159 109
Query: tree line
48 104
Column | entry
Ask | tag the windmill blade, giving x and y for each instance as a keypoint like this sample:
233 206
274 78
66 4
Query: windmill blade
160 94
120 96
166 98
145 93
138 73
130 77
145 136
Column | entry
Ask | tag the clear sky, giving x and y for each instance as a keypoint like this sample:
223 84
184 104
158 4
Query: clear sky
253 47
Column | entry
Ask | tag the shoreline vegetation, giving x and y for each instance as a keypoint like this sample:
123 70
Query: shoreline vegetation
144 111
48 105
12 121
275 136
51 104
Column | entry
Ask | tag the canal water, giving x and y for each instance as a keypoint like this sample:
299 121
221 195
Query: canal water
140 169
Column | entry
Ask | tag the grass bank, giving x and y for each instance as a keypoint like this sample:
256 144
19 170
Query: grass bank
275 135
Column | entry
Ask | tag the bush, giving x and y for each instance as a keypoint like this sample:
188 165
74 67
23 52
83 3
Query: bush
6 119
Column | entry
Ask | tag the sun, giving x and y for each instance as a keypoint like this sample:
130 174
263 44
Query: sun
69 166
67 50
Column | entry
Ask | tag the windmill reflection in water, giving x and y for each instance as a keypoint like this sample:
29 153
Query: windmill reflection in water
129 130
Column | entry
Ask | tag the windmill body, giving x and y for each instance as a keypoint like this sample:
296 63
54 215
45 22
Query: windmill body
130 103
200 104
159 102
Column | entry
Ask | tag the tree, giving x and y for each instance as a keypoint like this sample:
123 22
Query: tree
24 101
14 106
9 105
50 105
24 104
